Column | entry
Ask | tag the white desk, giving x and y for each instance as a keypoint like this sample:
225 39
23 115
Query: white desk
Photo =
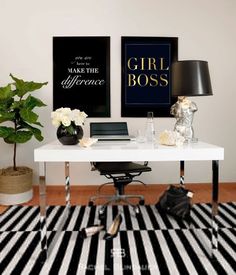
126 151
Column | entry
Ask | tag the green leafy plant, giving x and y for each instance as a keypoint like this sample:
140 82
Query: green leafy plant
16 108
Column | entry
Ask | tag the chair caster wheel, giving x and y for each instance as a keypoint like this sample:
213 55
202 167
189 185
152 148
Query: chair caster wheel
101 214
137 210
141 202
91 203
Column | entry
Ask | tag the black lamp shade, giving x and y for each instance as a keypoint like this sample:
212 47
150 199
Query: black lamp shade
190 78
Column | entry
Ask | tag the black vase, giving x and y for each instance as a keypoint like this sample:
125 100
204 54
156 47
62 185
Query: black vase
69 136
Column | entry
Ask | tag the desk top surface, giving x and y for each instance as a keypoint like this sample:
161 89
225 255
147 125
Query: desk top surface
127 151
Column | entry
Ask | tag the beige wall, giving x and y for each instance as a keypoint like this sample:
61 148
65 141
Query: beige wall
206 30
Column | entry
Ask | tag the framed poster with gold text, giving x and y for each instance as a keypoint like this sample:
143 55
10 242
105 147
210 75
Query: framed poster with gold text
146 75
81 74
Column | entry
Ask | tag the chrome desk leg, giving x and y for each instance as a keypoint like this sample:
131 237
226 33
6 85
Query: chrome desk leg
67 184
42 202
182 173
215 193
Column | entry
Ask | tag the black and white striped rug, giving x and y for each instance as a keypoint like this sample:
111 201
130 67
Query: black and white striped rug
151 243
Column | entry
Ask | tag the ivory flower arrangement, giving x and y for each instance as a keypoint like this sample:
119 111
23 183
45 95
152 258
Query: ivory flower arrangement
66 117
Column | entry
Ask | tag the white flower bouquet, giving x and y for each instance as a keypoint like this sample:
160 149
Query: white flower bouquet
68 117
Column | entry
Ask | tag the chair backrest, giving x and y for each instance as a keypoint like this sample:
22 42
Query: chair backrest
108 128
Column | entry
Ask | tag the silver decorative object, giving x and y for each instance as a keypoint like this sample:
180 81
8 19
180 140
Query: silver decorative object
189 78
183 110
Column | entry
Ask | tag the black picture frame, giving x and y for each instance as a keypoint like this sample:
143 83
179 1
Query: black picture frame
146 70
81 74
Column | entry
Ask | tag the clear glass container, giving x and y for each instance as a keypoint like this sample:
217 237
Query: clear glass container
150 129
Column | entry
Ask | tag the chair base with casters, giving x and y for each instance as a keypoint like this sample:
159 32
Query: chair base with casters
121 174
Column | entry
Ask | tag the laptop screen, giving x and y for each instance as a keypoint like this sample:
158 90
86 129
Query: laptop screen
109 130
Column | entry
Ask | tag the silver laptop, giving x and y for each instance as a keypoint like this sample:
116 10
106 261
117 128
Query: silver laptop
110 131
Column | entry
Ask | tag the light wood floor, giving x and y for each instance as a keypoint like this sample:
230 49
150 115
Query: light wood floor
81 194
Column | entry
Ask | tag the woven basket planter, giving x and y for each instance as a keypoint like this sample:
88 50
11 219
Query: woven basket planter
15 186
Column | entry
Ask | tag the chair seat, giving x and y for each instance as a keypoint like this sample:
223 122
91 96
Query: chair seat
120 167
119 173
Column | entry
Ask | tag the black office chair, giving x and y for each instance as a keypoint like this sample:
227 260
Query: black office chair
121 173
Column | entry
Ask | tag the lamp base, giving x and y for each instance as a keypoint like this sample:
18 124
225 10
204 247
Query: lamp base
192 140
183 110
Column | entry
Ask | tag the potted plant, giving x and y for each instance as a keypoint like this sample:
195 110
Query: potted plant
19 124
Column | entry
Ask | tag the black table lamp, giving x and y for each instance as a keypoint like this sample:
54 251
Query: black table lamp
189 78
